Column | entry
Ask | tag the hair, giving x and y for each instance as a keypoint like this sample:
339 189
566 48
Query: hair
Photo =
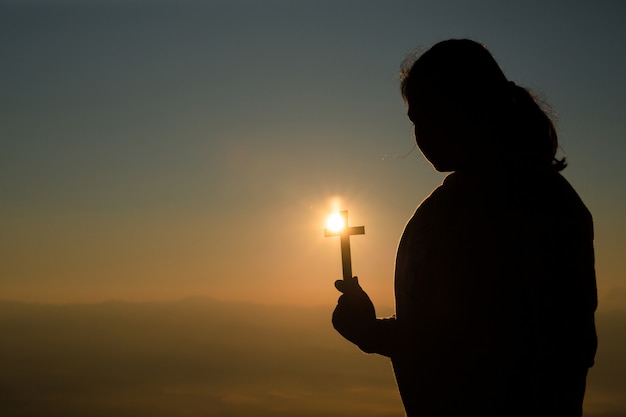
464 76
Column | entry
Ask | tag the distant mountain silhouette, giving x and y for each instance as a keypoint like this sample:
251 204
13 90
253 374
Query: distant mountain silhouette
188 358
199 357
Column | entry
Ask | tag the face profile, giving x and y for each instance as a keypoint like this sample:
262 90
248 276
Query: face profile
440 142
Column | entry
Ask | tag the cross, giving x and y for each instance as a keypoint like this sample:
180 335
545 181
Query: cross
345 233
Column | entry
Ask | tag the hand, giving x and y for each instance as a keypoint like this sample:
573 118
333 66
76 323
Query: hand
354 315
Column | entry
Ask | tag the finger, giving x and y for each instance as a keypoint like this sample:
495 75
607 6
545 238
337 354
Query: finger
340 302
351 284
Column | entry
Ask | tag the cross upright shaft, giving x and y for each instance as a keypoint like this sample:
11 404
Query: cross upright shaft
344 234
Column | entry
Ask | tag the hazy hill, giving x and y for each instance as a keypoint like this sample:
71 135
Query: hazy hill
206 358
188 358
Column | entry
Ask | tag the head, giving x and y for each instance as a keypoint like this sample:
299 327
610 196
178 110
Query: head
467 115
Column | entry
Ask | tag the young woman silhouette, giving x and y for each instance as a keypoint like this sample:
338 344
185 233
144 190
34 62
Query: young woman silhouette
494 283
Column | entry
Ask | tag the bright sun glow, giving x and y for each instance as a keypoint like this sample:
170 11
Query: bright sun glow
335 222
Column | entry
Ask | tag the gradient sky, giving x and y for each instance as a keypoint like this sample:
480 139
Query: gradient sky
159 150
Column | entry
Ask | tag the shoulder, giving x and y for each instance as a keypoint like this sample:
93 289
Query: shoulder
440 215
449 192
569 211
431 207
552 193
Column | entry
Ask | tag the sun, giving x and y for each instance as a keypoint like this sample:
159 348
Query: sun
335 222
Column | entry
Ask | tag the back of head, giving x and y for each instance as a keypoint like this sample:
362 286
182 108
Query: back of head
457 87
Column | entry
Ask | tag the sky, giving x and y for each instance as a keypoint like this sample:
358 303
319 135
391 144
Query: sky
160 150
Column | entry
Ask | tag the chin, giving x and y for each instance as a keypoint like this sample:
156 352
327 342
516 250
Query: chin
443 167
442 163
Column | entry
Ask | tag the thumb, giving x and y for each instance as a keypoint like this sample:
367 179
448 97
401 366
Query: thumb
349 285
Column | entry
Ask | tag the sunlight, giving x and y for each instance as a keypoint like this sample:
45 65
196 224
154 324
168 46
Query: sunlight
335 222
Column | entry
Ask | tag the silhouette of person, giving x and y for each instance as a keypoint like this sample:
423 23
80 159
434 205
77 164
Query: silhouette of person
494 283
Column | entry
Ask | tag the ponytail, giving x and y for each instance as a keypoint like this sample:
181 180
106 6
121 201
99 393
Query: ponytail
532 130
